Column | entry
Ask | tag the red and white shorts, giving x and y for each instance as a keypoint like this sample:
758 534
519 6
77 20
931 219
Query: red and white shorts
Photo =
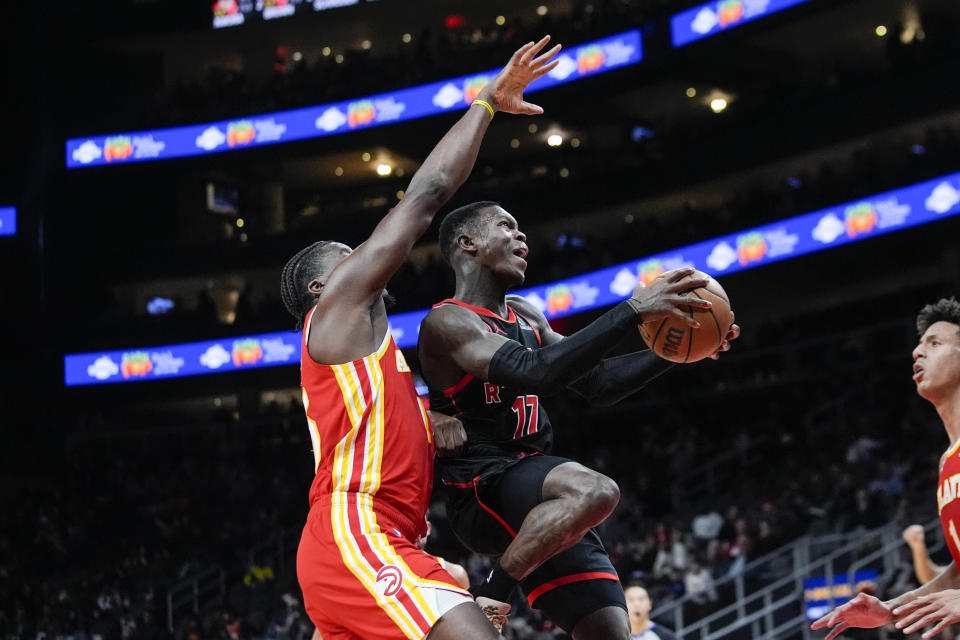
362 578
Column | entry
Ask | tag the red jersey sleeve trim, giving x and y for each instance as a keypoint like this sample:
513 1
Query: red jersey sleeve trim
464 381
577 577
511 317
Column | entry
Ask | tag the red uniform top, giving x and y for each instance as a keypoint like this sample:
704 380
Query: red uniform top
370 432
948 492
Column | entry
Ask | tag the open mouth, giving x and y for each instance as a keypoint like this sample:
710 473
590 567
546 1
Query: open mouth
917 372
520 252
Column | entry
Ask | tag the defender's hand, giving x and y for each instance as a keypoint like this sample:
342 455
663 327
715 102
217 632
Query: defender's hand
448 435
863 612
662 297
942 608
505 92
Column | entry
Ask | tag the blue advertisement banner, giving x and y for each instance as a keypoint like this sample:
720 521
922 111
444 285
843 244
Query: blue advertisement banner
577 62
832 227
715 17
821 595
8 221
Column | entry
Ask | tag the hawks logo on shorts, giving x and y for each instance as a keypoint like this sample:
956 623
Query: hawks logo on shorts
361 573
389 580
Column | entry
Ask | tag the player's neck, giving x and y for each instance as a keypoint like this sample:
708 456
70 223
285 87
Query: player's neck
480 289
949 410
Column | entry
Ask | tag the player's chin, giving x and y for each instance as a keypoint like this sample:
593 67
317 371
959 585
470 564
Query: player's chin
517 277
389 301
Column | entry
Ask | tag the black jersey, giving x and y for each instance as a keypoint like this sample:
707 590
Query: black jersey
501 422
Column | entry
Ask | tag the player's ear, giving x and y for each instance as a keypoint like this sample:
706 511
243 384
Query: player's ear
315 287
467 244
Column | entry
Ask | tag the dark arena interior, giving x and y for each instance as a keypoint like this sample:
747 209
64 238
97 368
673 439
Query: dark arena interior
163 160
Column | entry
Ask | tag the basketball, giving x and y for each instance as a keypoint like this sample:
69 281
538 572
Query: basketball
676 341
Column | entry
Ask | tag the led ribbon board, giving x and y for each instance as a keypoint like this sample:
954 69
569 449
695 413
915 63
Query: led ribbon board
8 221
715 17
832 227
588 59
821 595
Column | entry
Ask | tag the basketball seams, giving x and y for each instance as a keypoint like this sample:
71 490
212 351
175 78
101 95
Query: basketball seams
656 336
722 297
720 334
711 292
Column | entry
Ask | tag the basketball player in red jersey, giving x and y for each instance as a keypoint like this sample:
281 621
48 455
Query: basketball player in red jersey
361 572
936 371
487 359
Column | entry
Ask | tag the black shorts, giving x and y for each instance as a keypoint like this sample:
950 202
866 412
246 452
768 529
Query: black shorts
568 586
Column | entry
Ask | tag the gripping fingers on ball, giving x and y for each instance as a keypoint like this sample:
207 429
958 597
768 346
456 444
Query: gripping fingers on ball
679 274
689 285
685 317
692 301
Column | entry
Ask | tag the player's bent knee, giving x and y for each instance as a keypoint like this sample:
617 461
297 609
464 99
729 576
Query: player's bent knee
600 495
607 492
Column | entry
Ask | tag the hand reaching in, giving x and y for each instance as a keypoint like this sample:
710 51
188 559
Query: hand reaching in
505 92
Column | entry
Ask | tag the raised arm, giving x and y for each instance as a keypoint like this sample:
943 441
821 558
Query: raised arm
450 332
365 273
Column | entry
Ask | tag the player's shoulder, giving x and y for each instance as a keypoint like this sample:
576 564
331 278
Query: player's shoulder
528 310
448 320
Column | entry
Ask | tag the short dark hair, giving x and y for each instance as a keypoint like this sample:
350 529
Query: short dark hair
943 310
296 277
458 222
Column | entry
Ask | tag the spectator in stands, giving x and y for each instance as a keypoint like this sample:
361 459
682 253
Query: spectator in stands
699 586
638 608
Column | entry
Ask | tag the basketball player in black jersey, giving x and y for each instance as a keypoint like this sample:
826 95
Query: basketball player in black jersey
488 359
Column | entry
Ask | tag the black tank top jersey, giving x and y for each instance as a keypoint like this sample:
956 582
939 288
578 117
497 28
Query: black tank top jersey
500 422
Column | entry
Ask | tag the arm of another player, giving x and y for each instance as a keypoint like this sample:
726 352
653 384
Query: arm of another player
451 332
938 601
922 564
362 276
869 612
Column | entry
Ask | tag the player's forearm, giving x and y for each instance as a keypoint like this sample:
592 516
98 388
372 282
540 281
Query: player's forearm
923 565
949 578
550 369
449 164
613 379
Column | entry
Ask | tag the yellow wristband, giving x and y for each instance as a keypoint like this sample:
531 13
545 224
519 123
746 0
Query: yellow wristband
485 105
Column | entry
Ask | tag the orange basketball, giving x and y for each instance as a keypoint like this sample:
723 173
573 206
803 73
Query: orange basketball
674 340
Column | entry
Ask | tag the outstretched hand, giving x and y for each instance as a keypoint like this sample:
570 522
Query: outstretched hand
863 612
505 92
942 608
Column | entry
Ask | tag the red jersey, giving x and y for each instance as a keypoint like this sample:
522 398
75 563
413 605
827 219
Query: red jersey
948 499
370 432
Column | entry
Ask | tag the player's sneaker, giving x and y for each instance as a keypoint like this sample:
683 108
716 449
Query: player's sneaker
495 611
